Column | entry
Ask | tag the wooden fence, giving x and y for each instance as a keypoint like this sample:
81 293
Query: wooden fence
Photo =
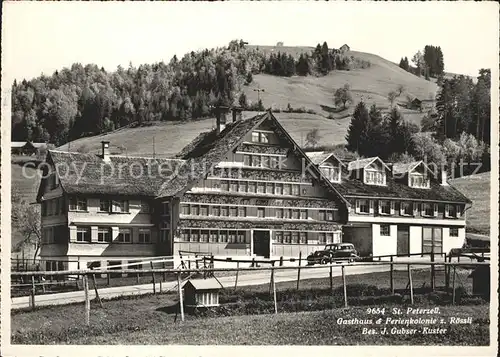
272 268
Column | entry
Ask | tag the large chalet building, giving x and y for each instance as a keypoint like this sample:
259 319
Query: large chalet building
245 188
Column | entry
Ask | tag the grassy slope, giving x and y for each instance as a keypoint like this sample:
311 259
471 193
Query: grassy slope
477 188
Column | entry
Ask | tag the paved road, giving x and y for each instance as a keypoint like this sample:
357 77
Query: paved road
249 278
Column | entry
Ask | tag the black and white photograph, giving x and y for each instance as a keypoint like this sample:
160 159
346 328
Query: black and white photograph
182 178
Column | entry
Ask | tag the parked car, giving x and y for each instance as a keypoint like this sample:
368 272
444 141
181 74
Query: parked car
335 251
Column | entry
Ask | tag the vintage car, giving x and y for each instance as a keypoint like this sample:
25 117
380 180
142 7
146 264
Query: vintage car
333 252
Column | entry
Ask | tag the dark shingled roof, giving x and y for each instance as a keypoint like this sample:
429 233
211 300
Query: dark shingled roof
206 151
398 189
90 174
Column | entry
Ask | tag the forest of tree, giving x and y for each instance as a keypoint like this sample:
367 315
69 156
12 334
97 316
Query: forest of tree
463 106
87 100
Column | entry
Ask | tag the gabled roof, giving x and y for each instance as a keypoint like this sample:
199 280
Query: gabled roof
208 149
130 176
404 168
318 157
17 144
362 163
204 284
205 151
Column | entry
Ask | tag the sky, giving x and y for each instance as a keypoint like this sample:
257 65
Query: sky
45 36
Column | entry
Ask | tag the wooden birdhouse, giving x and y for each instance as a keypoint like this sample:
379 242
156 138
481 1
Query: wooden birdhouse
201 293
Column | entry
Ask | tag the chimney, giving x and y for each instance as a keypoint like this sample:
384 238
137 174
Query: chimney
444 177
105 150
221 116
236 113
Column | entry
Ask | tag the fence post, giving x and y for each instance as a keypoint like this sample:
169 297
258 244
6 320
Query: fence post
237 271
331 275
453 285
165 274
181 301
344 284
271 282
154 282
281 261
411 283
96 292
274 293
108 276
298 272
87 299
446 273
433 270
253 262
33 292
392 275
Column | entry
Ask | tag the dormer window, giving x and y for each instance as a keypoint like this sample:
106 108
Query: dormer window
385 207
331 172
452 211
419 180
260 137
375 177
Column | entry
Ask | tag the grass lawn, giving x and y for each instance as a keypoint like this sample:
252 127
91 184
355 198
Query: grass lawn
477 188
150 319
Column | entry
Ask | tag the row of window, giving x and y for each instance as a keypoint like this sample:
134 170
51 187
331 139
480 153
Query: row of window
260 137
385 230
263 161
53 207
104 235
271 188
214 236
241 211
386 207
116 206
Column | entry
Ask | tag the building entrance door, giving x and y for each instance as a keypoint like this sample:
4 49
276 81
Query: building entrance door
403 244
261 246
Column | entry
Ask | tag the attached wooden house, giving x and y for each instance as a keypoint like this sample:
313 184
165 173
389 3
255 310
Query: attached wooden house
244 188
400 208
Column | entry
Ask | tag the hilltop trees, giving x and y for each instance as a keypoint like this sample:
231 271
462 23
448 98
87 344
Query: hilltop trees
404 64
430 63
85 100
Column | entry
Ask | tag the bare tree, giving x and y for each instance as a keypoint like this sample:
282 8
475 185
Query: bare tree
400 90
26 217
343 95
392 97
312 138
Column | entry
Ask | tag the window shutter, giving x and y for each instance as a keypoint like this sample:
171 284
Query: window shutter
357 205
371 206
415 208
435 209
401 205
422 209
392 207
446 210
459 211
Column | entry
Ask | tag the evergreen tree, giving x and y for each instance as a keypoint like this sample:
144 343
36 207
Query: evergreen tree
357 133
242 100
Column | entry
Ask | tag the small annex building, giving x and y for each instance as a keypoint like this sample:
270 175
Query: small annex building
202 292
